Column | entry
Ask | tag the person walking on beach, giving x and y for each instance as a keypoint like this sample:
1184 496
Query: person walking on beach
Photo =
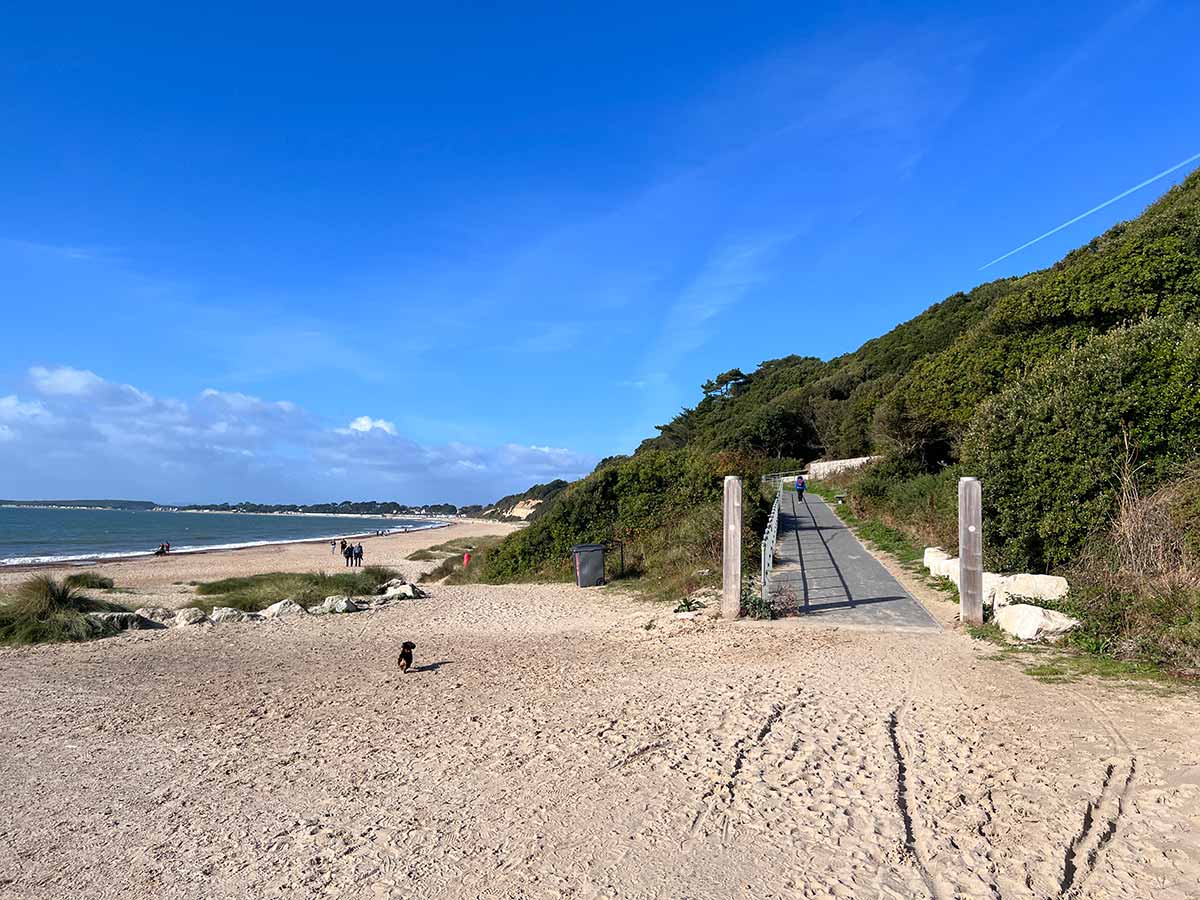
358 554
333 548
347 553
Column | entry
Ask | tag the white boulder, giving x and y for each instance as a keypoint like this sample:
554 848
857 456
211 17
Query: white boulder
159 614
945 568
1031 587
404 589
227 614
1032 623
284 609
337 605
191 616
934 554
993 584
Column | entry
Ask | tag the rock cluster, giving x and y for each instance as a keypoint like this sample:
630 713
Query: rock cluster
998 589
400 588
1004 591
159 614
122 621
189 617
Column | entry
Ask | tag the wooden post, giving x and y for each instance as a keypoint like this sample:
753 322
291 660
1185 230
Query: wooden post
970 551
731 558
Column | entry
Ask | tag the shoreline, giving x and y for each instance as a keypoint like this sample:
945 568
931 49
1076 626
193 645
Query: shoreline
385 517
87 560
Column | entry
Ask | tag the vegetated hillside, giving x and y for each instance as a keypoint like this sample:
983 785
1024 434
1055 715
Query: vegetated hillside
1036 383
527 505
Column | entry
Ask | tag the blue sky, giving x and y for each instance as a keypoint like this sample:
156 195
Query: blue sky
284 253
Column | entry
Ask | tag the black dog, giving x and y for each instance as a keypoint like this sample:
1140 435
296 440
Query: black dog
405 661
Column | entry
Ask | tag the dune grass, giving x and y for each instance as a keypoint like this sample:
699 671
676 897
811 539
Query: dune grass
423 555
448 550
451 568
90 580
254 593
463 544
42 610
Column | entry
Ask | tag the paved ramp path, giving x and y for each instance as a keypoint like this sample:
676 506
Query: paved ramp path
831 576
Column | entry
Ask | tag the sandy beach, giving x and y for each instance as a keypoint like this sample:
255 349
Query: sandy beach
554 742
162 580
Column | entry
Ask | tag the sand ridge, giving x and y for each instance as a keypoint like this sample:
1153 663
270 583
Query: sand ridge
549 744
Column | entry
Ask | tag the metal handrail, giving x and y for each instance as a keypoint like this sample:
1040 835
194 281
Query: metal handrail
768 542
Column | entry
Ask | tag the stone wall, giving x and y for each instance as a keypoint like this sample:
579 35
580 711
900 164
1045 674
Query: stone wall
827 467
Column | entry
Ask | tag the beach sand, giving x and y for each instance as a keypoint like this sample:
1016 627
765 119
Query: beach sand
554 742
162 580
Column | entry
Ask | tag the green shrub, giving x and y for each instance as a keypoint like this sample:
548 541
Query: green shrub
42 610
1136 586
662 505
1050 448
896 496
755 605
89 580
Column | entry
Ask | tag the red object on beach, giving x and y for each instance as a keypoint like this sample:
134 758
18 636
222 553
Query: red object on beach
466 559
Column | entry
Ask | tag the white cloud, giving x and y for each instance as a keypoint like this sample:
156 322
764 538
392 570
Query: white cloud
63 380
366 423
12 409
89 435
245 402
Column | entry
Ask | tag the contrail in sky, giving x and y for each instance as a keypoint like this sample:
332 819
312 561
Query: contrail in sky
1137 187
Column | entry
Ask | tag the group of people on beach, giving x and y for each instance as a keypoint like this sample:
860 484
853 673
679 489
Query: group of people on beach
163 549
351 553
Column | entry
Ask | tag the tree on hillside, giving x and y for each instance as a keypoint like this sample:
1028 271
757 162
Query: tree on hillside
727 384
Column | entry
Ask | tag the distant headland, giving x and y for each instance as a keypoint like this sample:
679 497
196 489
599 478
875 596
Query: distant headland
81 504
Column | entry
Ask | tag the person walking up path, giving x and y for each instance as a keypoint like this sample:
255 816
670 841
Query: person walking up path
823 570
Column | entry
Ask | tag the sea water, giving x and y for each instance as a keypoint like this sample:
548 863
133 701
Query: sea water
29 535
